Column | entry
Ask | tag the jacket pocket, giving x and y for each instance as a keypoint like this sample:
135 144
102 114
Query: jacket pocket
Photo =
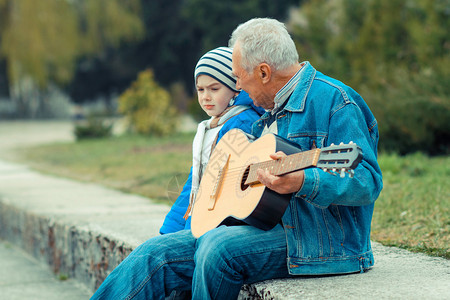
307 141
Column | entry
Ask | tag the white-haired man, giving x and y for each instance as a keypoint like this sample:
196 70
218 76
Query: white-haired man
326 226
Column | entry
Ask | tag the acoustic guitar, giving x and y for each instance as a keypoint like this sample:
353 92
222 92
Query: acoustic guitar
230 192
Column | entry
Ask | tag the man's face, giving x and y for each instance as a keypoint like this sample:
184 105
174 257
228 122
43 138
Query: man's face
249 82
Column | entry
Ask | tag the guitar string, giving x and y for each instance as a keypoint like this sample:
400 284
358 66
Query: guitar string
234 173
289 162
232 179
241 172
237 172
233 176
297 158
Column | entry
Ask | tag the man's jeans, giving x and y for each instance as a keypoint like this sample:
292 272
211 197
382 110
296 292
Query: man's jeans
215 266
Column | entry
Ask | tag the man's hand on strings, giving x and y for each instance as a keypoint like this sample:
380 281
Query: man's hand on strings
286 184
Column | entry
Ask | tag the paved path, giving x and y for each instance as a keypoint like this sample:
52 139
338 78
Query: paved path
15 134
97 227
23 277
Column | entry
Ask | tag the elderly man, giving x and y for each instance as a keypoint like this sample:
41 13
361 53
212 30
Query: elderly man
326 226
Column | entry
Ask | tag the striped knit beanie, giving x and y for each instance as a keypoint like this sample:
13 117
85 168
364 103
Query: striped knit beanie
217 64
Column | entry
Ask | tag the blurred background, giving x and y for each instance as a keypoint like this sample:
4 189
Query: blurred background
91 59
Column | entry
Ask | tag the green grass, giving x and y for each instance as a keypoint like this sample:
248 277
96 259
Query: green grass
63 277
412 212
133 164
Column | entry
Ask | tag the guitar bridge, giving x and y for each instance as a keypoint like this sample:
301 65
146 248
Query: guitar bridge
218 185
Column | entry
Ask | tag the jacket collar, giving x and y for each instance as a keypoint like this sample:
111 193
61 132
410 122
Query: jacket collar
302 89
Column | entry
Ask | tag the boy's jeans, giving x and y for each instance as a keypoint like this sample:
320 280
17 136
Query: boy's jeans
215 266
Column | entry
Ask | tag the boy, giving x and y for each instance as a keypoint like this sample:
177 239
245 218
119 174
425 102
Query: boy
228 109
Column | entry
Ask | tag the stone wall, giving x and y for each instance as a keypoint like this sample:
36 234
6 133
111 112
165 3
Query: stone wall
69 250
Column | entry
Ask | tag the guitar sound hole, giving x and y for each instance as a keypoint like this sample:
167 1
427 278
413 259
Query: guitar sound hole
244 178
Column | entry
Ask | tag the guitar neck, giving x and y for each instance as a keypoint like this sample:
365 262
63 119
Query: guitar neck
288 164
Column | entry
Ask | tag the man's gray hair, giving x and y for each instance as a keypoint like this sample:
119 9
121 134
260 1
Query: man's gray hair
264 40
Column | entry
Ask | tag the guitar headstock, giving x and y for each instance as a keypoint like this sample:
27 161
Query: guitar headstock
342 158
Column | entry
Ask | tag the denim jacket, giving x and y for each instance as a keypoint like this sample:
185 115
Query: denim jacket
327 222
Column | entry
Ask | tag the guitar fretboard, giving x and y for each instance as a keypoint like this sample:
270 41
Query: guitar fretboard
288 164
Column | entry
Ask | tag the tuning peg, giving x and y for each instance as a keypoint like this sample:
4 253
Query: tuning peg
334 169
329 171
351 142
342 143
342 173
351 173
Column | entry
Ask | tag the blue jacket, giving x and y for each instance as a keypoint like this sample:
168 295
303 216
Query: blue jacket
174 220
327 222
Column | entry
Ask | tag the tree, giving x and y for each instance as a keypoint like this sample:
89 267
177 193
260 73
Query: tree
105 43
215 20
396 53
167 47
41 40
147 107
177 33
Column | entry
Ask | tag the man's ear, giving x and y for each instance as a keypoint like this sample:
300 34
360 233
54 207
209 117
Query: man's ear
265 72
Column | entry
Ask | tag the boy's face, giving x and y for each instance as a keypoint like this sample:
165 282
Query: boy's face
213 96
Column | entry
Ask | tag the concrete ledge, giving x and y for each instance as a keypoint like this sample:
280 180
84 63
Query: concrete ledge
78 229
397 274
84 231
69 250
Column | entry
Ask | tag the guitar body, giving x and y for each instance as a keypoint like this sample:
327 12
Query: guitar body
224 198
